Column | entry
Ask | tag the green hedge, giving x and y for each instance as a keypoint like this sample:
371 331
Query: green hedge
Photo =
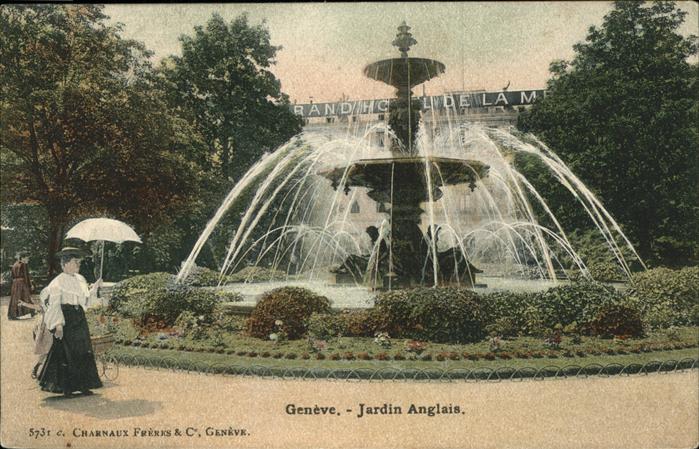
577 302
616 320
205 277
513 313
508 313
667 297
157 296
257 274
434 314
348 323
292 306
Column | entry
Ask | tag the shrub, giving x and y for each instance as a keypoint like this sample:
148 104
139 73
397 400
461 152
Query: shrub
157 297
227 322
431 314
667 297
577 302
348 323
533 321
292 305
500 307
256 274
606 271
617 320
227 296
358 323
503 327
205 277
324 326
137 287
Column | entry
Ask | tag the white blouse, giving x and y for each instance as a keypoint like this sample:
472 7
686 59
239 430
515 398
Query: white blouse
64 289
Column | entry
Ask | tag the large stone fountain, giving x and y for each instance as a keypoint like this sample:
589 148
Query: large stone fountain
407 178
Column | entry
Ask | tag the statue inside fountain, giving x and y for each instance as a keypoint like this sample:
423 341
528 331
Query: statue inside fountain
407 178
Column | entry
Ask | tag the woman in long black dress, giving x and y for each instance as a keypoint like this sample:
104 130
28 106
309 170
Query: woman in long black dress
70 364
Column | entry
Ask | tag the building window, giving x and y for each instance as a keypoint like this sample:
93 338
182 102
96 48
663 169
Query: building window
354 209
380 207
381 117
380 135
330 119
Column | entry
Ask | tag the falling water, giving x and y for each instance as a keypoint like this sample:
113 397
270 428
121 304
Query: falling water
299 223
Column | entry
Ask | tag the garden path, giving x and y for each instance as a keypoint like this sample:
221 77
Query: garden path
636 411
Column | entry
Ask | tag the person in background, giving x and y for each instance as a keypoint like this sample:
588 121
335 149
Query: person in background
70 363
21 293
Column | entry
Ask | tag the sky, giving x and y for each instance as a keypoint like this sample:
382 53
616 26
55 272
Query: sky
326 45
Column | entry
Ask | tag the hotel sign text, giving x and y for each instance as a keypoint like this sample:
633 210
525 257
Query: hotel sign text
438 102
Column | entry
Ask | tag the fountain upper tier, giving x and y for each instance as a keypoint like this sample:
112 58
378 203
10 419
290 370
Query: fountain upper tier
404 72
376 174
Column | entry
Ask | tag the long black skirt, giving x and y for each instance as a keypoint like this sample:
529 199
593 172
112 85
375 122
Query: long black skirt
70 364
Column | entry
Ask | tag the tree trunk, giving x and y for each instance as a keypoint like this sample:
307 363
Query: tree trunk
57 223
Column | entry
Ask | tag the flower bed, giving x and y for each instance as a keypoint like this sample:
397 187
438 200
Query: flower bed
350 349
579 323
318 366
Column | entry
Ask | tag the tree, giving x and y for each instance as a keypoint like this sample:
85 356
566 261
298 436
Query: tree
222 80
623 115
84 125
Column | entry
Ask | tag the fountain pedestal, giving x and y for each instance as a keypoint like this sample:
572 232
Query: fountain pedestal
401 184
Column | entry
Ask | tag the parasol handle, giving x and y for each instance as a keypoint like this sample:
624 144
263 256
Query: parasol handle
102 260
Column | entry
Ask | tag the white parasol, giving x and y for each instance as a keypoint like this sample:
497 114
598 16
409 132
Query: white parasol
103 229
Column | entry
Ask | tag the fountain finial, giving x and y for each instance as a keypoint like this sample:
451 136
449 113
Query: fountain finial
404 39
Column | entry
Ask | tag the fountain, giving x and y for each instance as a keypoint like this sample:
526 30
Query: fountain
444 196
403 181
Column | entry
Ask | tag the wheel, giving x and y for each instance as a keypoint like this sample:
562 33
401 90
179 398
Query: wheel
109 368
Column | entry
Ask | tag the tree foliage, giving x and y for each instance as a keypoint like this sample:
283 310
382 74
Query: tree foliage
623 114
224 83
84 123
